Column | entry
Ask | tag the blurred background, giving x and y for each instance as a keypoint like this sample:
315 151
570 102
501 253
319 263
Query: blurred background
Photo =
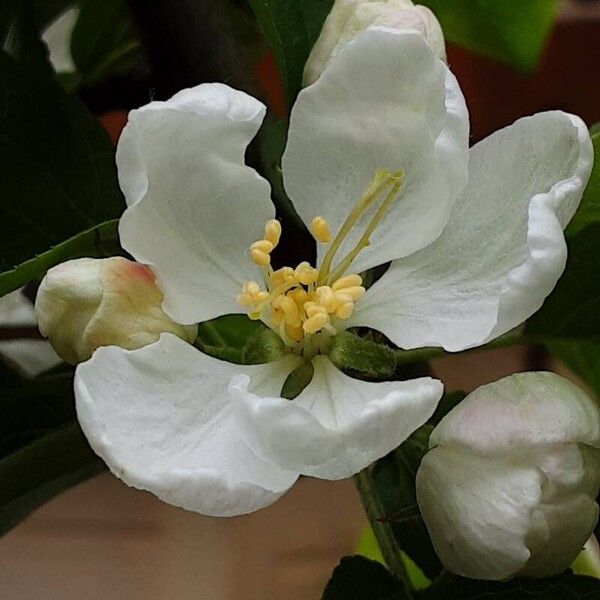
103 540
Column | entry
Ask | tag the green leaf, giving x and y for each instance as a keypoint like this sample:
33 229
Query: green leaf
583 358
46 11
105 41
19 37
354 353
238 339
30 408
589 209
43 469
358 578
573 309
394 477
291 28
563 587
511 31
100 241
58 170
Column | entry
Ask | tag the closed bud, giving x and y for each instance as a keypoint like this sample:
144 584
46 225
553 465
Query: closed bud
348 18
87 303
509 486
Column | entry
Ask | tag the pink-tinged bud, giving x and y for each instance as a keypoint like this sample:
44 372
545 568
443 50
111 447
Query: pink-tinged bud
87 303
348 18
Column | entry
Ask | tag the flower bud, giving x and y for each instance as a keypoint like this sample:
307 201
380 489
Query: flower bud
509 484
87 303
348 18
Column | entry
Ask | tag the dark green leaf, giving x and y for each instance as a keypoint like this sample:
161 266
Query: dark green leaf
46 11
58 171
95 242
272 140
30 408
583 358
297 380
291 29
589 209
372 360
358 578
563 587
43 469
511 31
238 339
105 40
394 477
19 37
573 308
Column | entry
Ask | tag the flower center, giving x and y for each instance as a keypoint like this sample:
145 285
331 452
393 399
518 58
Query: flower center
303 304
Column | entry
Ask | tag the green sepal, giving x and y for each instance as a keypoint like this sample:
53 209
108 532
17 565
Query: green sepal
297 380
371 359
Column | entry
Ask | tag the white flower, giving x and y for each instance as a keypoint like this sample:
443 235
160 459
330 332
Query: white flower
57 36
348 18
510 484
377 164
87 303
31 356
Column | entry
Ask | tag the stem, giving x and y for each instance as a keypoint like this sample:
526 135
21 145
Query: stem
391 551
512 338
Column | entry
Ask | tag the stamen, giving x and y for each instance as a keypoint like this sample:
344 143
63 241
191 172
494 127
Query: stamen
381 181
273 231
305 274
320 229
259 257
364 241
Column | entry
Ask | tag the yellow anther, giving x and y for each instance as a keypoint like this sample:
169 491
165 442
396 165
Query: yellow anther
316 322
296 333
273 231
320 229
281 276
312 309
344 311
289 308
260 258
262 245
305 274
346 282
251 294
355 292
326 297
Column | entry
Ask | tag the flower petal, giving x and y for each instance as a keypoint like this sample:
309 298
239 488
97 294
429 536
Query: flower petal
384 101
477 510
525 408
337 425
194 207
163 421
503 249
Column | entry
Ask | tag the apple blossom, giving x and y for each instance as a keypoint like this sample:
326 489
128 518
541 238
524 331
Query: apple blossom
57 36
378 167
348 18
87 303
509 486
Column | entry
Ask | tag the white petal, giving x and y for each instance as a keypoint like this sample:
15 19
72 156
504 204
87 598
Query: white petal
525 408
337 425
162 419
384 101
477 510
194 207
503 249
57 36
